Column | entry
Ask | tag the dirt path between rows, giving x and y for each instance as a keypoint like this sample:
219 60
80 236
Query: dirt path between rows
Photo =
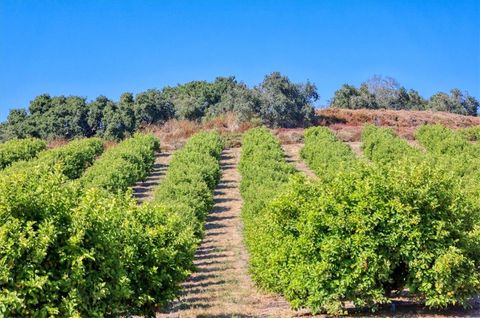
292 154
143 190
221 286
356 147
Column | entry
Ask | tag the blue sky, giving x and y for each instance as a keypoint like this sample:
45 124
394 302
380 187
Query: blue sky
93 47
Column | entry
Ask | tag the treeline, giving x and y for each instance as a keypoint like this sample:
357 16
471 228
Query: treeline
386 93
276 102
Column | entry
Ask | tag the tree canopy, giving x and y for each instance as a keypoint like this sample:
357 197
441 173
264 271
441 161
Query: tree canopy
386 93
276 101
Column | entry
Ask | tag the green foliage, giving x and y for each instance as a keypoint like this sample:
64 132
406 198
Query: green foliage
378 92
441 140
285 104
457 102
151 107
264 175
20 149
65 253
471 133
348 96
123 165
87 252
386 93
383 146
276 101
369 231
363 229
233 96
325 154
58 117
451 150
72 158
193 173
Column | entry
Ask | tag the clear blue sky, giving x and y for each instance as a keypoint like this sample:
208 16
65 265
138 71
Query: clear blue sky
93 47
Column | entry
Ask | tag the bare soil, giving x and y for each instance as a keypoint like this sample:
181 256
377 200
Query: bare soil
292 155
143 190
357 148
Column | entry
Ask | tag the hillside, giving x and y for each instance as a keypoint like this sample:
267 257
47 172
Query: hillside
347 123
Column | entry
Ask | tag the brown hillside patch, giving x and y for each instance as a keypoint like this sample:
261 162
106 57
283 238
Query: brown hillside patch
398 118
348 123
174 133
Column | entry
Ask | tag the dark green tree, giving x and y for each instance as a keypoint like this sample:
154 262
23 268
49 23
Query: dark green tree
457 102
286 104
191 100
352 98
152 107
234 96
126 107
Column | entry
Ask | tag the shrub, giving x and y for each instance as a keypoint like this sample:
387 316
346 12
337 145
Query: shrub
439 139
121 166
264 174
383 146
324 153
471 133
193 173
20 149
73 157
397 222
70 251
370 231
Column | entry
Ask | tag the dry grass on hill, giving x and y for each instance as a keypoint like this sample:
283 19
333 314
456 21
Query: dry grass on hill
174 133
348 123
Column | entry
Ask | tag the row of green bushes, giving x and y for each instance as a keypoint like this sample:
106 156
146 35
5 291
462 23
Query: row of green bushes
265 173
72 158
448 216
453 151
439 139
192 175
324 154
382 145
121 166
471 133
94 253
364 233
20 149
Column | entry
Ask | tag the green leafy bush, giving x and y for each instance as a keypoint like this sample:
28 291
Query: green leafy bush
471 133
364 231
20 149
94 254
370 231
123 165
325 154
73 158
193 173
439 139
66 250
451 150
383 146
264 175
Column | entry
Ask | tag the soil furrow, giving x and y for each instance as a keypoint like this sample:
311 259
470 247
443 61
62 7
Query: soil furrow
292 155
221 285
143 190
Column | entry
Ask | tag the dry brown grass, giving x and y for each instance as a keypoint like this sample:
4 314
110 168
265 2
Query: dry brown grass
174 133
394 118
57 143
348 123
